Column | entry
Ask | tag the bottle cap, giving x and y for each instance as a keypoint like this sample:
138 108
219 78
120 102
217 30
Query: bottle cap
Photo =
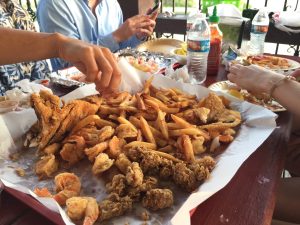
214 18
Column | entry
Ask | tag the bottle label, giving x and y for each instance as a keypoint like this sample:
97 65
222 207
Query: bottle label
198 46
189 26
259 29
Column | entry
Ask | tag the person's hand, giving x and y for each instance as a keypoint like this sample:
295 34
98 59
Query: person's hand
149 29
253 78
97 63
296 74
137 25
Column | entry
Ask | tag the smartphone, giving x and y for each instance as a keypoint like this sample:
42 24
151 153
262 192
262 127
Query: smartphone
156 7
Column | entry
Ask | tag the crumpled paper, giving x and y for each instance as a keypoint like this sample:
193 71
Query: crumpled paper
287 19
258 124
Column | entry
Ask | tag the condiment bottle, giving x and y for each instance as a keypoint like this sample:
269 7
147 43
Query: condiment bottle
216 37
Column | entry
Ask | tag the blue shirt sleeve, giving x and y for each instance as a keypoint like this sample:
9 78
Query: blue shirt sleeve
53 16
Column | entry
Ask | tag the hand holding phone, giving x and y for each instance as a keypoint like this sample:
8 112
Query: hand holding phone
155 8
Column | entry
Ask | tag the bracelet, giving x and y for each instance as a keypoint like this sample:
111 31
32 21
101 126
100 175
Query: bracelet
278 83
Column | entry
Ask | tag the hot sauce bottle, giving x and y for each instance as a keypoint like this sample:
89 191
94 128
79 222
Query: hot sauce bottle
216 37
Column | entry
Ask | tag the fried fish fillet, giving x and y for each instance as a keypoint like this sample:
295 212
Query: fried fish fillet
79 110
50 115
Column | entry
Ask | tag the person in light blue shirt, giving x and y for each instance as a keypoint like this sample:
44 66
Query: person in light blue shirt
94 21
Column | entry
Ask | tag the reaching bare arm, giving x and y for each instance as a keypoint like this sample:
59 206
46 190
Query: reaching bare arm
96 62
259 80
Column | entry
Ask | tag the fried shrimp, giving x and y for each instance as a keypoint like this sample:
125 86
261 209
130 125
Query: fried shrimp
67 185
83 207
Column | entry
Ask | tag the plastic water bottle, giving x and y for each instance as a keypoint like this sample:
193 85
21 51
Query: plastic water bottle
191 18
198 43
259 29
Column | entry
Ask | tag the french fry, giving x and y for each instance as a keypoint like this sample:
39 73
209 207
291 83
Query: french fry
187 148
131 101
122 120
102 123
181 122
173 126
161 142
128 108
107 110
161 123
167 149
189 131
147 85
147 131
140 102
147 115
118 98
146 145
155 103
84 122
152 104
162 97
167 156
139 136
113 117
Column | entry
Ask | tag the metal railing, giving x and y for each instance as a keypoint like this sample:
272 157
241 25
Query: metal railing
176 23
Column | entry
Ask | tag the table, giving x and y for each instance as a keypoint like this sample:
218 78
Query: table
249 198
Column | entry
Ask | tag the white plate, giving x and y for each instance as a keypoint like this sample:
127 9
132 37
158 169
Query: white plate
224 86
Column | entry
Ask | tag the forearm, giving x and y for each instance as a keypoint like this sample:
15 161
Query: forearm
288 95
19 46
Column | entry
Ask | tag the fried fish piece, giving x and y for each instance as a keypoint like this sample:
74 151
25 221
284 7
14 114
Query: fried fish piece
49 114
79 110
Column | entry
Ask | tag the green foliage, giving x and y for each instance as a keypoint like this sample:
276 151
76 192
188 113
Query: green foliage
179 3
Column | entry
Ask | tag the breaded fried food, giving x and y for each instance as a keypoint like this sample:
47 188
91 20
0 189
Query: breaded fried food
85 208
118 185
49 114
46 166
134 175
79 110
214 103
156 199
185 177
122 162
67 185
113 206
102 163
73 149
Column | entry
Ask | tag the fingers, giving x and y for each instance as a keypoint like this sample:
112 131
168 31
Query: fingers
90 66
103 78
116 73
154 15
231 77
236 68
296 74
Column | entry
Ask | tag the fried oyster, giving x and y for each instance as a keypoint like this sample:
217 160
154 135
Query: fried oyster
114 205
186 175
156 199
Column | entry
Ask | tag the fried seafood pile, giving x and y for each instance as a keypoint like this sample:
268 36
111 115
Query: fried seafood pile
153 135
